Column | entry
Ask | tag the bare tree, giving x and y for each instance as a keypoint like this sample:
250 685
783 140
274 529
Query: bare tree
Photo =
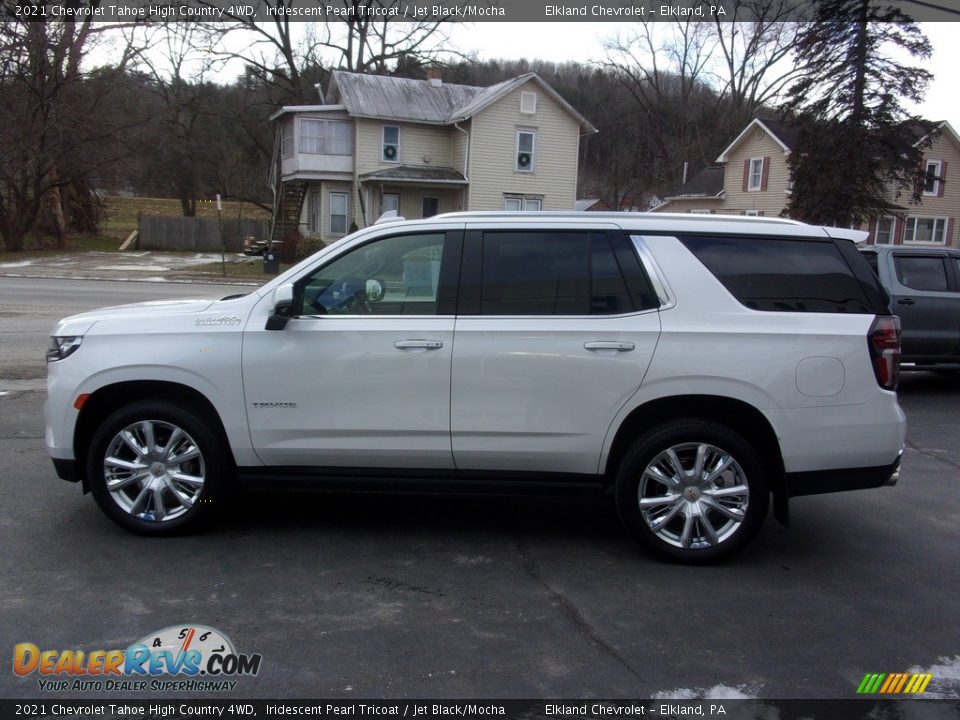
294 56
58 123
699 82
757 66
663 67
174 58
364 41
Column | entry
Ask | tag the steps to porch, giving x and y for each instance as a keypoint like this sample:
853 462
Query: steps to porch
286 219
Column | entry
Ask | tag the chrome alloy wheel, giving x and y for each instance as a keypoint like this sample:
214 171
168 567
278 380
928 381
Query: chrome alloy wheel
693 495
154 470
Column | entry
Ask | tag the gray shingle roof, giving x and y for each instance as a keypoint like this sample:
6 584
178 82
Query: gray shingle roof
399 98
380 96
707 183
417 173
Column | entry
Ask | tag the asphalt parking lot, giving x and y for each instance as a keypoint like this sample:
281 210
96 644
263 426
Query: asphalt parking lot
374 596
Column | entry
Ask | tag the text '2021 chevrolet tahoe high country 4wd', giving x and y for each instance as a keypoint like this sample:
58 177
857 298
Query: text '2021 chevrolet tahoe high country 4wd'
697 365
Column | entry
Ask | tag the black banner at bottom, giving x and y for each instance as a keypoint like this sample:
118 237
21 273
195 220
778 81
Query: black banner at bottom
865 709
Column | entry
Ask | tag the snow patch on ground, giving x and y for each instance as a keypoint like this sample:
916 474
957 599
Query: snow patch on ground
137 268
717 692
946 678
19 263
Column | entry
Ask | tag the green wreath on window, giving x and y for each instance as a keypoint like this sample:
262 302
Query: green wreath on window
390 152
523 160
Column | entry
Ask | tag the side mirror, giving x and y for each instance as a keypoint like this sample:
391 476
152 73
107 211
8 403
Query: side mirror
375 290
282 302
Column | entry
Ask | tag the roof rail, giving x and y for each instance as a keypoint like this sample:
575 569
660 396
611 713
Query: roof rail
613 215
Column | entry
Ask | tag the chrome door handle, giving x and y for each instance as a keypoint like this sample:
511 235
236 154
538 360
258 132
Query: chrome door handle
418 344
618 346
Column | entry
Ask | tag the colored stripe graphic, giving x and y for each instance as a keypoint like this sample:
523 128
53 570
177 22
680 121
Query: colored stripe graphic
870 683
894 683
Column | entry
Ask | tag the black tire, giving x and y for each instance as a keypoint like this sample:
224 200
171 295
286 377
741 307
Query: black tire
197 452
637 477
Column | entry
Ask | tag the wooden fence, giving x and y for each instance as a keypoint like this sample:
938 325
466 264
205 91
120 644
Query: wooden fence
167 232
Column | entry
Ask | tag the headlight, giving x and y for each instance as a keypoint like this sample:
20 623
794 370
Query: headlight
61 347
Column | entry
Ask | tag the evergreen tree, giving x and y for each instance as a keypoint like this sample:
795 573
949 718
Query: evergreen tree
856 140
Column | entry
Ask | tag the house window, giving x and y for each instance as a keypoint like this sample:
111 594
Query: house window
755 180
526 146
313 213
391 143
925 230
528 103
699 212
931 183
390 201
325 137
286 138
429 206
311 136
751 213
338 213
884 232
339 138
522 203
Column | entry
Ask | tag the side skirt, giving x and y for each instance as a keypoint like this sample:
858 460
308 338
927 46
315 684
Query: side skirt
339 479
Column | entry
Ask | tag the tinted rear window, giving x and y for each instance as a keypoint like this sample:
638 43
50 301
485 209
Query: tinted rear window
780 275
922 273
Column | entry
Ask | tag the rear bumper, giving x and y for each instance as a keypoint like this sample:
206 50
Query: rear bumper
820 482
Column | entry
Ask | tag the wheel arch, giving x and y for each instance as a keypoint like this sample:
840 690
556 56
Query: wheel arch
745 419
107 399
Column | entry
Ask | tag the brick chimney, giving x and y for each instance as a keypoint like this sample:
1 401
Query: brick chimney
435 75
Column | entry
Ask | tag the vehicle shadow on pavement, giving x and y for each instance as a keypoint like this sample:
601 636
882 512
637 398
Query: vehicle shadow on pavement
928 383
582 523
582 516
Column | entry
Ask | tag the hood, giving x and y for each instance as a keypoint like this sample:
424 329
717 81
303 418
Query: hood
81 324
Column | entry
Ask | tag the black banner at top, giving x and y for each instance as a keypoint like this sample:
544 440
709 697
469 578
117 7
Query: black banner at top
618 11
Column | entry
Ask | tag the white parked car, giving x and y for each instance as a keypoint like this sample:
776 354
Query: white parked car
695 365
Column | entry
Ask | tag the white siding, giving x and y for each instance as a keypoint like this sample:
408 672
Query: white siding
421 145
770 201
948 206
326 187
492 170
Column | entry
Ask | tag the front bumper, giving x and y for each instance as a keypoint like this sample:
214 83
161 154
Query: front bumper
66 469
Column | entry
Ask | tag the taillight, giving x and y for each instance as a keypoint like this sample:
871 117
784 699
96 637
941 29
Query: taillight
884 342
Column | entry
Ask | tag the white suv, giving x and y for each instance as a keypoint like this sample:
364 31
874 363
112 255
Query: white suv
695 365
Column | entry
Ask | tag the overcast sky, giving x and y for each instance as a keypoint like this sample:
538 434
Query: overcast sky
584 42
563 41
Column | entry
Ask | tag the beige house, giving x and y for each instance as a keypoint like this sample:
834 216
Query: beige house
753 178
421 147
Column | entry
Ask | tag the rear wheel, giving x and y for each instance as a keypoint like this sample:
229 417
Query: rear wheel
157 468
692 490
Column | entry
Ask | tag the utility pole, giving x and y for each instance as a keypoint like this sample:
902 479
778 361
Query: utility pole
223 245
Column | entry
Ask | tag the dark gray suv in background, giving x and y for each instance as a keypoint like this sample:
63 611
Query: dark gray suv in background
924 288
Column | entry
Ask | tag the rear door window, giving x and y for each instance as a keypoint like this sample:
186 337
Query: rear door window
782 275
535 273
551 272
922 272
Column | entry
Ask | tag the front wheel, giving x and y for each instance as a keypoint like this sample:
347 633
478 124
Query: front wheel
156 468
692 490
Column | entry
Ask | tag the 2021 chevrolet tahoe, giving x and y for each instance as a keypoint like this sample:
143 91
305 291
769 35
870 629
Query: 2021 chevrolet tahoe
696 365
